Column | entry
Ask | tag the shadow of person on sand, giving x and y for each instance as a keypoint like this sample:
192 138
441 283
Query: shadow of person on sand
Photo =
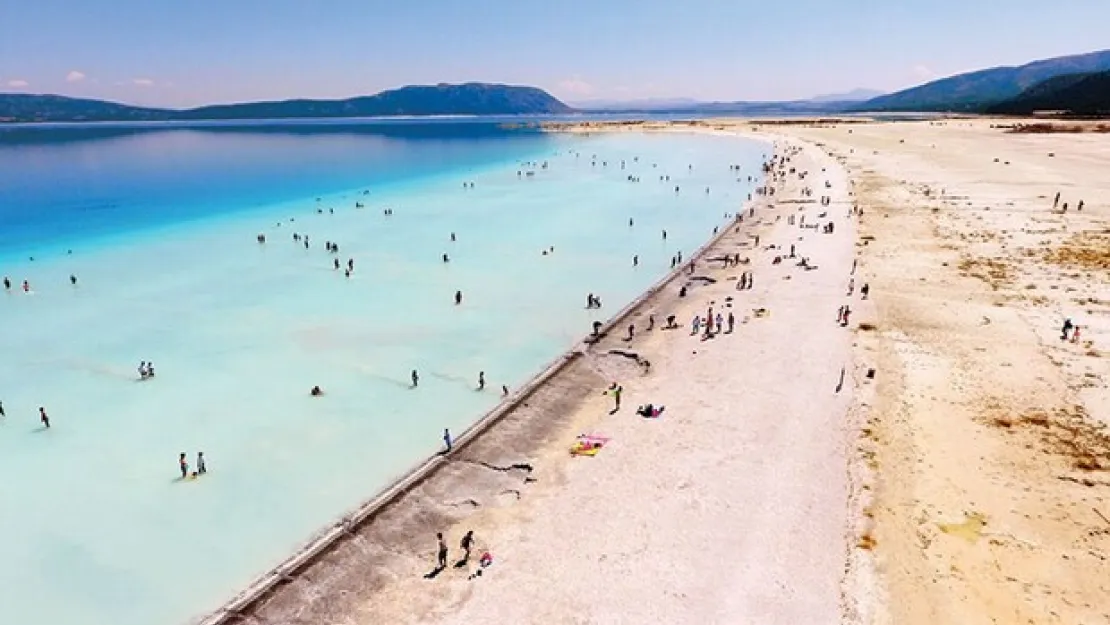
433 573
461 563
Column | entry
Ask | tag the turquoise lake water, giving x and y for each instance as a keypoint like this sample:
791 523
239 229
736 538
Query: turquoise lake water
159 228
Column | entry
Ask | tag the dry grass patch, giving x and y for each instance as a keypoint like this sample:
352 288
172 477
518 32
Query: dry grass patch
1067 432
994 271
1085 250
1050 128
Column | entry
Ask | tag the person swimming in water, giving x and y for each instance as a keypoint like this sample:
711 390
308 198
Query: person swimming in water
73 279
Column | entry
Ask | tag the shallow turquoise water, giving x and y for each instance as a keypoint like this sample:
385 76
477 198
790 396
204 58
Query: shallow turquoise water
94 526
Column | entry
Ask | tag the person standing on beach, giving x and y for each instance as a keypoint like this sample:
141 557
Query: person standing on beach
615 391
441 560
481 380
183 464
202 468
447 440
731 321
415 379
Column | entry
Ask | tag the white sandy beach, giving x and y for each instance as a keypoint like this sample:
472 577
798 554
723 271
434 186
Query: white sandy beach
986 430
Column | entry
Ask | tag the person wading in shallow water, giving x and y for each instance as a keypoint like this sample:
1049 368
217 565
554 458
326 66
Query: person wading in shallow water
415 379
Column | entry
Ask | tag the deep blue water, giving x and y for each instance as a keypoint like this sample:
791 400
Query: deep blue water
62 186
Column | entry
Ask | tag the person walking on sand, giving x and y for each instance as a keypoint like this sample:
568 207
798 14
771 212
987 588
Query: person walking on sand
202 468
467 543
415 378
695 325
731 321
441 559
1056 202
447 440
183 464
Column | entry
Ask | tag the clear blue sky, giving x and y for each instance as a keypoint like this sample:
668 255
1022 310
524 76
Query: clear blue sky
200 51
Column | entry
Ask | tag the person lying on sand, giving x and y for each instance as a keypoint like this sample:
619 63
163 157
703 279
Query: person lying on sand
650 411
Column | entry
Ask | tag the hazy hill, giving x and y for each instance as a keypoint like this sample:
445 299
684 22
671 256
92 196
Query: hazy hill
22 107
466 99
855 95
976 91
1077 94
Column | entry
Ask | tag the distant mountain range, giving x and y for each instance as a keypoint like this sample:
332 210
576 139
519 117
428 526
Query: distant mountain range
990 89
855 95
465 99
1078 85
819 104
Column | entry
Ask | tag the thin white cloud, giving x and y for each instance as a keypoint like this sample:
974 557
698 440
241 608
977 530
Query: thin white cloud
924 72
142 82
575 86
75 76
18 83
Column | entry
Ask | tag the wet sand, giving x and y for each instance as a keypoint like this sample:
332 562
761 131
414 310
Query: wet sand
734 506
